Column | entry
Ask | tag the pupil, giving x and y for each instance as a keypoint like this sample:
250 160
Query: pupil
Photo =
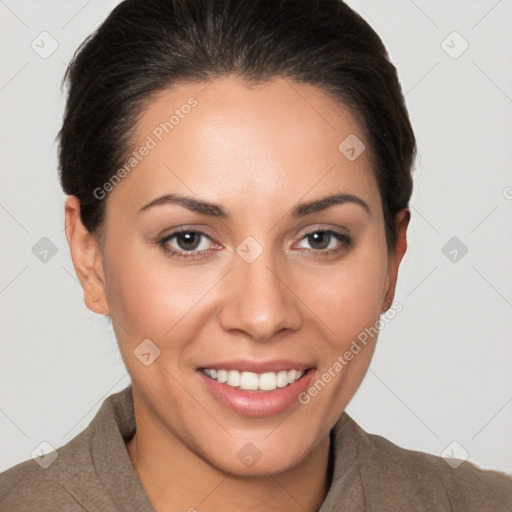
321 238
191 241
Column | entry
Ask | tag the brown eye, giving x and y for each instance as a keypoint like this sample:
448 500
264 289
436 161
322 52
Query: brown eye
185 244
326 241
188 240
319 240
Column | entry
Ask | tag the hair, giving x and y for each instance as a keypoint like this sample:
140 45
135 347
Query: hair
147 46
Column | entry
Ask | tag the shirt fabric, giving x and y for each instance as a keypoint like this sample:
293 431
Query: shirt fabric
93 472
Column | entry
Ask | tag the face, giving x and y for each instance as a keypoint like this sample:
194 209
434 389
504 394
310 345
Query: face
242 280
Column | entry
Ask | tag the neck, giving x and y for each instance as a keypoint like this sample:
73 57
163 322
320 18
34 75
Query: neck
177 479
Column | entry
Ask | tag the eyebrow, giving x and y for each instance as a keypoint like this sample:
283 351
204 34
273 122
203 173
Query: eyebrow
214 210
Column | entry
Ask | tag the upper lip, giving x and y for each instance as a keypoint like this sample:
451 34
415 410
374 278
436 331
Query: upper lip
246 365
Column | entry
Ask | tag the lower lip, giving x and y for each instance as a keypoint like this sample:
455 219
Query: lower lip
258 403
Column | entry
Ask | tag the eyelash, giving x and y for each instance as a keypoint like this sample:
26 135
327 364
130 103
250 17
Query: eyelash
346 243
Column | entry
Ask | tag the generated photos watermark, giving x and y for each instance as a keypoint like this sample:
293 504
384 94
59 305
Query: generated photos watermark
150 143
343 359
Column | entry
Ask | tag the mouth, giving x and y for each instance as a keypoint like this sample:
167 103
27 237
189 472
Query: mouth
252 381
257 390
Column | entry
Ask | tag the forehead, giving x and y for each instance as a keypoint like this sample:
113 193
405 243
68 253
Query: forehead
224 139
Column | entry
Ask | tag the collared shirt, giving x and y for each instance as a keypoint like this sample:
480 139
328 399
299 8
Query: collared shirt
93 472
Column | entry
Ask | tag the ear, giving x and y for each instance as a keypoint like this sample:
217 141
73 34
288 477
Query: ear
402 221
87 258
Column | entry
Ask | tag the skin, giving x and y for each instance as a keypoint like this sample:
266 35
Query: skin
255 152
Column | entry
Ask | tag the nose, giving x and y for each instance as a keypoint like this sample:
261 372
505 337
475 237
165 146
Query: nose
258 300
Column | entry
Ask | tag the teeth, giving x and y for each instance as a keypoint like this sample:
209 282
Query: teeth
282 379
233 378
249 380
267 381
292 376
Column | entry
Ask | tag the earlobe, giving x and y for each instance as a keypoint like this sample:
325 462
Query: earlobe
402 222
87 258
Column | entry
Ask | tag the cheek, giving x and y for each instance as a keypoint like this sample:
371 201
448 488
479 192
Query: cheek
349 302
347 298
149 298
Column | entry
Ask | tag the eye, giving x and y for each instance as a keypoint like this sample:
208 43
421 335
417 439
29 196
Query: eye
190 244
327 242
186 243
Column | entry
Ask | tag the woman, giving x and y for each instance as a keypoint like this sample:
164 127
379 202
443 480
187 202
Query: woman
239 176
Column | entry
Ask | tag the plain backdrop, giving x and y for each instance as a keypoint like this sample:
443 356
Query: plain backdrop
441 377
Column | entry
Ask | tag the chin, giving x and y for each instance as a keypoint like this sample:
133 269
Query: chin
266 452
250 461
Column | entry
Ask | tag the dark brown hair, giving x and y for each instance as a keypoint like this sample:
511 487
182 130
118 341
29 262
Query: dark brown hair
145 46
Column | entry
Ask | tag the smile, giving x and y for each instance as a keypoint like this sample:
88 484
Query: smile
251 381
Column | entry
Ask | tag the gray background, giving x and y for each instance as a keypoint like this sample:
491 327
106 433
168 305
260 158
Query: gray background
442 371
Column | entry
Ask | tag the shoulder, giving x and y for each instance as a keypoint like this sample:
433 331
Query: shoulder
463 483
28 486
65 479
429 482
